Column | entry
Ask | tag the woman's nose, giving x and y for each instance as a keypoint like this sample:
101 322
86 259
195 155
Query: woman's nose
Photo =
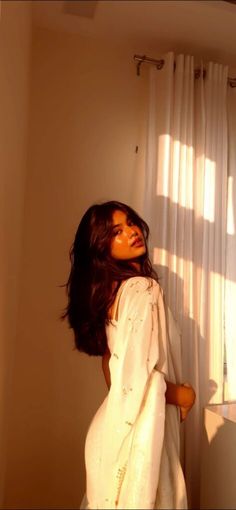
131 231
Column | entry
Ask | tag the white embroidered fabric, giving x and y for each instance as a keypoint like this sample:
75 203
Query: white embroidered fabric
132 445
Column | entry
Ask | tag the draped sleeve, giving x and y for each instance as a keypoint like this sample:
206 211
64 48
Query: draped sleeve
134 422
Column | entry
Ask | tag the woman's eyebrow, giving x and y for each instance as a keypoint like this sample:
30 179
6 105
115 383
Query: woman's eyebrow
120 224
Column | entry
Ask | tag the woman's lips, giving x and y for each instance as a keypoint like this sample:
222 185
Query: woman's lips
138 243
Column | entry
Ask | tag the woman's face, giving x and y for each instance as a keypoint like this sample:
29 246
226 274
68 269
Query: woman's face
127 240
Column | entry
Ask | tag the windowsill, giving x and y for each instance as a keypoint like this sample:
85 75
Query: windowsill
227 411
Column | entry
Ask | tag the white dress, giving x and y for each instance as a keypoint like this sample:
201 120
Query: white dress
132 444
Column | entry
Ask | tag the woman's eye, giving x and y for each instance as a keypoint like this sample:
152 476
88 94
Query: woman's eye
117 232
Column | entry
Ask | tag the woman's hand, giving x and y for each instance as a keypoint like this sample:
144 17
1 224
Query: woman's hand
190 399
181 395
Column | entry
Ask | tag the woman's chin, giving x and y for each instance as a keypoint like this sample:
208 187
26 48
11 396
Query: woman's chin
139 251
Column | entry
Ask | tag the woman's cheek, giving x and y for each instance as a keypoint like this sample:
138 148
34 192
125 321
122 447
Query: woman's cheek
118 241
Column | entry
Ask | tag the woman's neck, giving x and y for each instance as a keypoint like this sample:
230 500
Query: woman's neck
137 265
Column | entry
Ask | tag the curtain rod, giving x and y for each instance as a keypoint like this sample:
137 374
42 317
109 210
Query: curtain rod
160 63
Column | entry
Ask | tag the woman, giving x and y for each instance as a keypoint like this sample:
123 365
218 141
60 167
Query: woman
116 309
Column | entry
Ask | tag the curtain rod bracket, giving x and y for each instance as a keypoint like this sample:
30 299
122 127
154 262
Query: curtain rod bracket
142 58
160 64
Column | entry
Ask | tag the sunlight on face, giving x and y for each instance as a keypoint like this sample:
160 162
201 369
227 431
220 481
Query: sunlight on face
127 240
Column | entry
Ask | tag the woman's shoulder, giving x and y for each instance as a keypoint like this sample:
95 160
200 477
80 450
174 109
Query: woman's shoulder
137 293
141 284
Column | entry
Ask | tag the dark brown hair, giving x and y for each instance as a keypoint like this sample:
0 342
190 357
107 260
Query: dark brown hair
90 286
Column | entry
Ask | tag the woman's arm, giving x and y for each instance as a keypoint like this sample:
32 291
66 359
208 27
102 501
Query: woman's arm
181 395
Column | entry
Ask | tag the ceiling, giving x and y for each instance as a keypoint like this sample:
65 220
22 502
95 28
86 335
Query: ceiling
193 24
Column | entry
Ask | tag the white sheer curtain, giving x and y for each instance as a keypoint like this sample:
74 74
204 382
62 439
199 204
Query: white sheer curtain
186 207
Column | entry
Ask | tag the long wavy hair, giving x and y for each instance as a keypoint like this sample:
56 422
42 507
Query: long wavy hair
95 275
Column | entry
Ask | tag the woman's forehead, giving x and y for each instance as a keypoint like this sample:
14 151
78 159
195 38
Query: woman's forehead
119 217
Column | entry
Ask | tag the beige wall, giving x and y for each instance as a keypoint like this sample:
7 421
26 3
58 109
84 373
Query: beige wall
87 110
218 463
15 39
